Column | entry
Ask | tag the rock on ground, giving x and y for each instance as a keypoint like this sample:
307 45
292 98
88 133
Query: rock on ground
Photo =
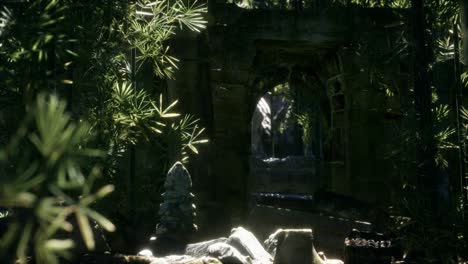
248 245
219 249
121 259
228 254
201 249
295 246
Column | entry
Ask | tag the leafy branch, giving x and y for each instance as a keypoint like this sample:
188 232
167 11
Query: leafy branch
44 167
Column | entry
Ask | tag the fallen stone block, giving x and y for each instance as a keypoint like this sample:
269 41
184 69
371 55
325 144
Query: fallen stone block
219 249
201 249
122 259
295 246
227 254
190 260
247 244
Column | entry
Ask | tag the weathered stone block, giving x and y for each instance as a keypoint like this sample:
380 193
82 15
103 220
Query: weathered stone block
248 245
129 259
201 249
228 254
295 246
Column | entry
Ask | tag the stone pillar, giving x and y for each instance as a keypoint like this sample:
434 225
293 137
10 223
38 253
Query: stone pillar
229 76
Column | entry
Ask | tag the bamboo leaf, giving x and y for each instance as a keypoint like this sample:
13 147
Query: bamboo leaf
59 244
85 229
101 220
170 115
193 148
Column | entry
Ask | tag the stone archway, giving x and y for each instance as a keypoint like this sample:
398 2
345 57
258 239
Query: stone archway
250 52
313 90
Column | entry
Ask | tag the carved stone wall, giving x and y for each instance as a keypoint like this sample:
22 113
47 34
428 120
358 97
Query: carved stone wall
243 54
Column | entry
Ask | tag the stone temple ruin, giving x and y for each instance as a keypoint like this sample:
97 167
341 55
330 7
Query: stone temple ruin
176 225
315 190
227 71
244 54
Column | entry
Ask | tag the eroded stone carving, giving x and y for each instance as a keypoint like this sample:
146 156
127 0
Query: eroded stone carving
177 212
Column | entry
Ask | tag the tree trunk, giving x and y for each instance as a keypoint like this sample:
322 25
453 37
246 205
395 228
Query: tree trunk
459 97
427 174
464 28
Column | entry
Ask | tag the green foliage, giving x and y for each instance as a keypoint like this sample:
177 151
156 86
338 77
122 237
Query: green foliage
186 134
444 133
4 214
122 112
79 50
377 3
431 242
305 109
131 115
306 121
382 66
152 23
286 4
31 35
424 231
127 108
44 184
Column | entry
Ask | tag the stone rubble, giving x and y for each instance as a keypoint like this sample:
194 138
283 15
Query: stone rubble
177 213
228 254
284 246
248 245
295 246
201 249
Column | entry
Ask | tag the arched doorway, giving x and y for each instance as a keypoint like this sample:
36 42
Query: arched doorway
290 137
274 131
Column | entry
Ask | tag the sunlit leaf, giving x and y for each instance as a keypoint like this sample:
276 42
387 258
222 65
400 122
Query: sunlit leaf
85 229
59 244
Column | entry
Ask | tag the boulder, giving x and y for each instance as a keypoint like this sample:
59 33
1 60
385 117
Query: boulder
145 253
227 254
271 243
295 246
129 259
247 244
190 260
201 249
219 249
